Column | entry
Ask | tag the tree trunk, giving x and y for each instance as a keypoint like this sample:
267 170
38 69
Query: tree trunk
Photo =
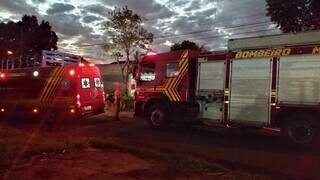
127 72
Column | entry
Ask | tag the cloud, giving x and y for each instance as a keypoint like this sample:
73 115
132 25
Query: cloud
38 1
58 8
17 7
90 19
79 22
194 5
149 9
67 24
98 9
179 3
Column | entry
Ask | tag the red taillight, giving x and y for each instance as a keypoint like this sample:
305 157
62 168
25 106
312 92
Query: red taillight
2 75
91 64
81 64
78 101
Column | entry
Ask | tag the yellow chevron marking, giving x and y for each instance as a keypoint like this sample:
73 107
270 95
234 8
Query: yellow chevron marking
182 69
168 90
176 85
44 100
171 84
182 74
55 85
171 90
47 86
183 57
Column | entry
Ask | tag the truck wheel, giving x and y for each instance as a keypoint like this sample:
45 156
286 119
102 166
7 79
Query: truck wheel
157 116
301 129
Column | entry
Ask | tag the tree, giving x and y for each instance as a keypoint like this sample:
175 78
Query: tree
185 45
126 37
26 38
295 15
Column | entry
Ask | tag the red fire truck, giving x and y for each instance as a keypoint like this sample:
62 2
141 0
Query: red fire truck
270 81
52 92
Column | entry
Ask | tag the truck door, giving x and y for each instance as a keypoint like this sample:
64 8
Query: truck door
210 89
299 80
91 89
250 91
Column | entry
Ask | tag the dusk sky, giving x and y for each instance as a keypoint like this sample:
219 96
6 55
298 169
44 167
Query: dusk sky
79 23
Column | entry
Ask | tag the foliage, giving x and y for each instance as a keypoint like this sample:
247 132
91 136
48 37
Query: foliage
295 15
127 101
26 37
185 45
126 37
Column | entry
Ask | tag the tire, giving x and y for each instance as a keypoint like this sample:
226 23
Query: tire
158 116
301 130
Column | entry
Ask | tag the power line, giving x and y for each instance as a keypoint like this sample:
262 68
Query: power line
196 32
209 30
236 34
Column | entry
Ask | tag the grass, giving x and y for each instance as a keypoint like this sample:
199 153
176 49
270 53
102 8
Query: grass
180 163
11 145
56 146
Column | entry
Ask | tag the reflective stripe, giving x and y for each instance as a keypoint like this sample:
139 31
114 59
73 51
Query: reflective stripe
171 84
50 87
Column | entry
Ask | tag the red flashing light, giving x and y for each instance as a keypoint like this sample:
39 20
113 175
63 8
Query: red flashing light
35 110
91 64
2 75
78 101
151 53
81 64
72 72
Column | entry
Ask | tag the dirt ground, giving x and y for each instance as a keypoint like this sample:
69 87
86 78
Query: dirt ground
100 148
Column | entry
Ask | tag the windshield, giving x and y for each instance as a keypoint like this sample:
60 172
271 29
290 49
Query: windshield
148 72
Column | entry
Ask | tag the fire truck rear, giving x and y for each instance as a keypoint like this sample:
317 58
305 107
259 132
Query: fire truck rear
52 92
261 82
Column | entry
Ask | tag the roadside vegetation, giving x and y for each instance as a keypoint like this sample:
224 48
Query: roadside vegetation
45 146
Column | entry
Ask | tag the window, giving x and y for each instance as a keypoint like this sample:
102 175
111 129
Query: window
172 70
85 83
148 72
97 82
